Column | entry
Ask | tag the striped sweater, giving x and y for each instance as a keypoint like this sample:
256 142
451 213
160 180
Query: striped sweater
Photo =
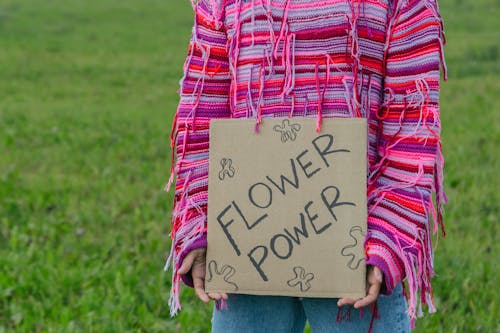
378 59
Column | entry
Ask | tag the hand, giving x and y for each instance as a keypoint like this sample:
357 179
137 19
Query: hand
374 283
195 262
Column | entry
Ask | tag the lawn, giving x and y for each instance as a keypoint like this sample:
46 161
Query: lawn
88 90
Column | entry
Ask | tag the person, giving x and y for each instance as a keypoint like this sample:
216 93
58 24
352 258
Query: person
381 60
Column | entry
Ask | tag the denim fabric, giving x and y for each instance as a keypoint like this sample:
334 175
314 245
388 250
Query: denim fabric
280 314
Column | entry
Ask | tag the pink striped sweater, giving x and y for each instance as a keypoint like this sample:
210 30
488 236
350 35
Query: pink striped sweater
378 59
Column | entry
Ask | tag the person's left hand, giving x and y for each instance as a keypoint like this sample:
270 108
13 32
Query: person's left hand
375 278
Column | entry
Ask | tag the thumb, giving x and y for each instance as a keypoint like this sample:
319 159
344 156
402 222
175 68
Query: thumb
187 263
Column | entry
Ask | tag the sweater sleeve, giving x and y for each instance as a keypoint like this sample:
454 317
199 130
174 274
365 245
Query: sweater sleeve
204 94
409 166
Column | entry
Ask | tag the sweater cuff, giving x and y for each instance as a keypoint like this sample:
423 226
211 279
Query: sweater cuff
377 255
198 243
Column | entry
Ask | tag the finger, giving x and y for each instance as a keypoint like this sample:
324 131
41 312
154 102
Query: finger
218 296
199 289
187 263
344 301
215 296
365 301
224 296
370 298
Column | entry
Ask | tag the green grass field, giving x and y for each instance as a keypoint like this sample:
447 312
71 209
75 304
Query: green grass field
87 95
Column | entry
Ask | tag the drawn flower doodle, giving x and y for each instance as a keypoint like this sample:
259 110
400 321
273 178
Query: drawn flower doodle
357 236
288 131
227 168
225 273
301 279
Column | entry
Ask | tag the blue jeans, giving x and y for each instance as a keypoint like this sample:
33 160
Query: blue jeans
280 314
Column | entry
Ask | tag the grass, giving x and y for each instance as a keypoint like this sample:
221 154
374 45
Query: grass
87 95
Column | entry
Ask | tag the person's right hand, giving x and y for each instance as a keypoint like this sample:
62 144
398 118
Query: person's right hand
195 261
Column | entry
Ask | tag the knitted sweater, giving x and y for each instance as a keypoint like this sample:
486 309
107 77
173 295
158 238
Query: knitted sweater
377 59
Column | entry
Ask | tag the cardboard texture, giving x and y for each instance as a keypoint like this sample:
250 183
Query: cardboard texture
287 207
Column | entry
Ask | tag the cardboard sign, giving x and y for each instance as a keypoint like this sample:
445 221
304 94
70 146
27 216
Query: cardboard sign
287 207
